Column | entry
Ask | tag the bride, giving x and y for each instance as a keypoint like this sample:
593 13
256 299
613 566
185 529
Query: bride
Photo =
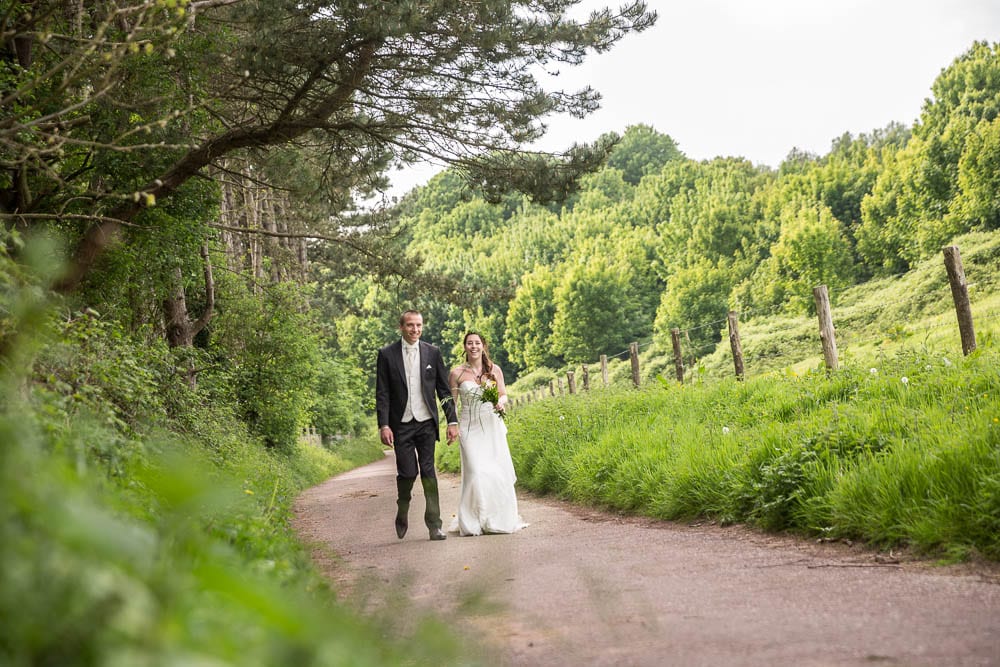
488 503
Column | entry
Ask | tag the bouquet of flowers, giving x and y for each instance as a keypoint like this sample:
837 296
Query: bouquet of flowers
489 392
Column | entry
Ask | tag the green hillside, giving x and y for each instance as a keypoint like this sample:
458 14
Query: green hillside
900 447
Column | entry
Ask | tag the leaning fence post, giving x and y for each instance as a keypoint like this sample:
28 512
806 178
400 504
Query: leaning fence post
571 381
734 343
675 338
960 295
604 369
586 378
826 333
552 387
633 353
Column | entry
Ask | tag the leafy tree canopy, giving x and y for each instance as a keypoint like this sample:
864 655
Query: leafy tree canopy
96 129
916 206
641 151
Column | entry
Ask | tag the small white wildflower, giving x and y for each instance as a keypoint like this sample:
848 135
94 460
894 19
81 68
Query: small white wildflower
904 380
927 367
725 430
873 371
947 361
561 418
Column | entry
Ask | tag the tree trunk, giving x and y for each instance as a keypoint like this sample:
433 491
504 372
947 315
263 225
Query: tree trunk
181 330
175 315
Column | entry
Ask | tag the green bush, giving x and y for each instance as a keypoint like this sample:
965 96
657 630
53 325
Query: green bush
271 353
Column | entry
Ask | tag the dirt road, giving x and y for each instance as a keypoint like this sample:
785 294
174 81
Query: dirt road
584 587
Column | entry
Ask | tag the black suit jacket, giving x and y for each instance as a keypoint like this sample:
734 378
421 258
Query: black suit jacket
390 384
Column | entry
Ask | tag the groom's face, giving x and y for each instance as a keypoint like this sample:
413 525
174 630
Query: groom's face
412 327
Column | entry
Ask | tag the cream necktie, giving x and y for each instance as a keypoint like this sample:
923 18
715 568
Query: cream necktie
412 380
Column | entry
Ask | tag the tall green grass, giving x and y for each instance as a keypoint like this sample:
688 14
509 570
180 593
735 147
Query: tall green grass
901 452
898 447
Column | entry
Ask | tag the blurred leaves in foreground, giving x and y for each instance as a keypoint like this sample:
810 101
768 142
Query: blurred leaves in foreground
143 538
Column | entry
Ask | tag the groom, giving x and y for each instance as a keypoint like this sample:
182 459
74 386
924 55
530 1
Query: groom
408 374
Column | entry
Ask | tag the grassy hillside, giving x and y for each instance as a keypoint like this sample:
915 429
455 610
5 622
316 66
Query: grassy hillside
902 451
901 446
911 311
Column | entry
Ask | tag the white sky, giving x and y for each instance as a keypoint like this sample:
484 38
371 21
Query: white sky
756 78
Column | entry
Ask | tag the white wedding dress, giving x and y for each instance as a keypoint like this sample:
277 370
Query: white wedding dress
488 503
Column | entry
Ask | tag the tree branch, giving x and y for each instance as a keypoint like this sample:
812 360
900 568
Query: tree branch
101 236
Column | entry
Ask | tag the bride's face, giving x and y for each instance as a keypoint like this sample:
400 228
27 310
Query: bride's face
473 348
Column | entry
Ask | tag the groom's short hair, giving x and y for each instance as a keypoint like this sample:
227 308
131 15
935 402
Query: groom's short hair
402 318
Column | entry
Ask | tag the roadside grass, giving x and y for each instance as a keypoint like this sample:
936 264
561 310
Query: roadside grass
899 447
904 451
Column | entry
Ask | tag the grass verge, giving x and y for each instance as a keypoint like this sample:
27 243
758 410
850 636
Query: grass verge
902 452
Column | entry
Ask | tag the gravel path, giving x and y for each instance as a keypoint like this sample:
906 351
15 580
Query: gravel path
586 587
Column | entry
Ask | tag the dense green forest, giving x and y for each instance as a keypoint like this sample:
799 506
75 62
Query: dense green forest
655 241
188 279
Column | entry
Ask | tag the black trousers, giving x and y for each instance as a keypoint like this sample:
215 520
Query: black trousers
414 446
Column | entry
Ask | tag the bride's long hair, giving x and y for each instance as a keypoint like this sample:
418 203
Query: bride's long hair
487 362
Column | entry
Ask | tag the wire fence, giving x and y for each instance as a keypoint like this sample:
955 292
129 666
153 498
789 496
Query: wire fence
856 332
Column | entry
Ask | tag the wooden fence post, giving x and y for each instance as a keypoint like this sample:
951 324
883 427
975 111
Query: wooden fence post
734 343
571 381
826 333
586 378
604 369
960 295
560 381
693 360
552 387
633 353
675 338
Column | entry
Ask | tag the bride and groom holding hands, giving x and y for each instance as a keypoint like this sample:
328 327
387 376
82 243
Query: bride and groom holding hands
410 378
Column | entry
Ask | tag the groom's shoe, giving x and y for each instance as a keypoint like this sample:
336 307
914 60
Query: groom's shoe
403 488
437 534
